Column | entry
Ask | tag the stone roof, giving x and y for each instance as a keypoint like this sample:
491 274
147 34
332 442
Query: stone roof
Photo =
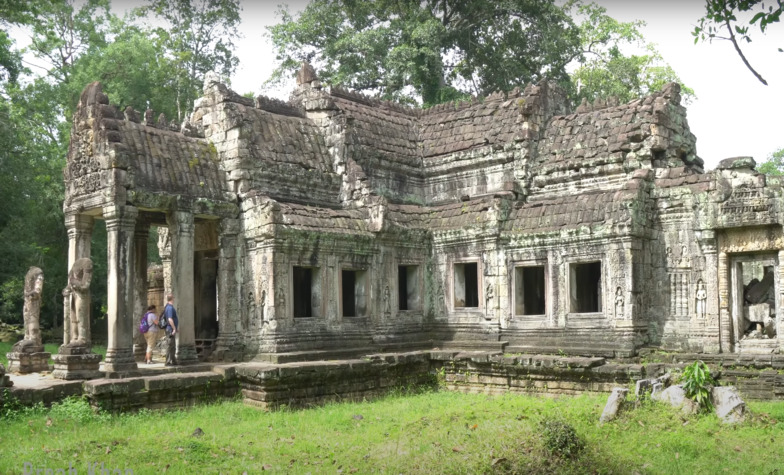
391 133
164 161
312 218
569 212
449 128
623 135
459 215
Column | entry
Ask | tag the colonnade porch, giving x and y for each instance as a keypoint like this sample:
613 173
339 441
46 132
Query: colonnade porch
127 231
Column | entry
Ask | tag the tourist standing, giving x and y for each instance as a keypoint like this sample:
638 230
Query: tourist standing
152 332
170 314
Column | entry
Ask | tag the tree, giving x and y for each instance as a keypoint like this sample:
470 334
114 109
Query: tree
604 70
199 37
774 165
721 23
431 51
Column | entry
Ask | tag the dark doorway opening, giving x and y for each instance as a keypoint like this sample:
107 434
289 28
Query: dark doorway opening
466 286
585 287
348 283
407 288
529 290
303 292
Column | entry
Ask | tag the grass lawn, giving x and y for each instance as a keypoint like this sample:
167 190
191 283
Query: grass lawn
50 347
432 432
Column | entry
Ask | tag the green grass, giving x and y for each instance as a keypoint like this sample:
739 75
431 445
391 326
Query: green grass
434 432
50 347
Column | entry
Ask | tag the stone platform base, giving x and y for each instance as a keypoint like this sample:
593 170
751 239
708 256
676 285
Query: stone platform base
76 363
32 362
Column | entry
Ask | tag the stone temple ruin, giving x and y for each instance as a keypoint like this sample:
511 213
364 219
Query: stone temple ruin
336 224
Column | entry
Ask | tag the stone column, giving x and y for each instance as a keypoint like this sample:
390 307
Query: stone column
164 251
120 230
711 332
228 292
80 235
140 237
725 313
181 229
780 309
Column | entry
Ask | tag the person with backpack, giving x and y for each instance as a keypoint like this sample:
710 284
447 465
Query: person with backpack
169 319
150 321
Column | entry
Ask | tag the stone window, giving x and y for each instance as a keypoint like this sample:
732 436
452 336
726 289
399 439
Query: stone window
585 287
353 292
305 288
408 288
466 285
529 290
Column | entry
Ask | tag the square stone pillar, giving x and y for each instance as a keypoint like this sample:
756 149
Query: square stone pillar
140 237
725 313
80 236
226 346
181 230
120 230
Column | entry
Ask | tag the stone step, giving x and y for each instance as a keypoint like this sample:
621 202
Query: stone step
472 345
313 355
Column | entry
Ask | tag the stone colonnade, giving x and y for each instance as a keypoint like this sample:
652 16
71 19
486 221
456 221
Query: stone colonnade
127 233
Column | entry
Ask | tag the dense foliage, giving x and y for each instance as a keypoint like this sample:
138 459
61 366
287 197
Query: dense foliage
70 45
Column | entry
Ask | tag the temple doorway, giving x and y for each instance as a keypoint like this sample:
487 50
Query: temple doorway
755 308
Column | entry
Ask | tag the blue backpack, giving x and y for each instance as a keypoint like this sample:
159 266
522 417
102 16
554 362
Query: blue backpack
144 326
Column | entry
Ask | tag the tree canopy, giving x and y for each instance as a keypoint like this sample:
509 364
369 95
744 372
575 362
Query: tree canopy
774 165
439 50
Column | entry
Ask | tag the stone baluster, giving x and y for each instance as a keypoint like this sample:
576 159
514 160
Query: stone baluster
120 230
181 228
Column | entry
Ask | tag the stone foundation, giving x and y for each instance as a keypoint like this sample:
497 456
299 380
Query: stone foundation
303 384
28 362
76 363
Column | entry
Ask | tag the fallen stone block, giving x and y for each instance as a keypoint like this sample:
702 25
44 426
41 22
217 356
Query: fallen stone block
614 404
676 397
728 404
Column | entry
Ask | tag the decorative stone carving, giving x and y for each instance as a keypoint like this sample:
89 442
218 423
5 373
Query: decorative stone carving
34 283
28 355
79 279
387 309
619 303
701 299
74 359
489 296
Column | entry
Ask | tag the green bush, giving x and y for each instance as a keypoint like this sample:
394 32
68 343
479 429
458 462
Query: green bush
697 383
560 439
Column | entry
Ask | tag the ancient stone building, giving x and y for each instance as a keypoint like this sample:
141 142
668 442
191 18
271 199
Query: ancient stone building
336 223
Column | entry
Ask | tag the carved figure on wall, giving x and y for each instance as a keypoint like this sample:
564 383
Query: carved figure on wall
263 303
252 308
670 257
685 260
79 280
619 302
280 296
440 298
702 298
488 297
387 309
34 283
